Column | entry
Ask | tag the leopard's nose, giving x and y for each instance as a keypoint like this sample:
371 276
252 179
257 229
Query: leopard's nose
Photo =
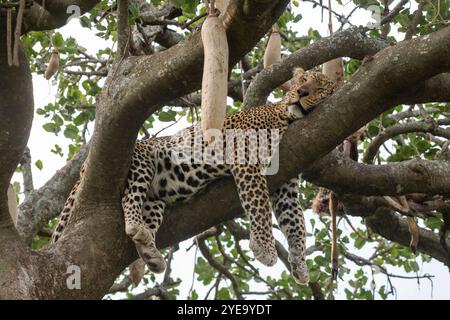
303 92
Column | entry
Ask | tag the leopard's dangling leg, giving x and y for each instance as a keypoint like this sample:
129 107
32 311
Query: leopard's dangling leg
292 223
67 210
140 176
65 214
255 199
152 212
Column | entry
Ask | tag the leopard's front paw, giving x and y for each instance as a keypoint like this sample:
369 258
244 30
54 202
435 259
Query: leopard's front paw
299 269
152 258
264 251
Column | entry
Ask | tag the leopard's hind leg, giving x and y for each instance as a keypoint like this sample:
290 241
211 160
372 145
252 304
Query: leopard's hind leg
292 223
255 199
67 210
140 176
152 212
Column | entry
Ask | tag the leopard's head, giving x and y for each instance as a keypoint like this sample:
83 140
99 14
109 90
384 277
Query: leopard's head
307 89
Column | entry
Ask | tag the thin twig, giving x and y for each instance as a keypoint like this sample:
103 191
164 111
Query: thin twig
167 127
415 20
388 18
218 266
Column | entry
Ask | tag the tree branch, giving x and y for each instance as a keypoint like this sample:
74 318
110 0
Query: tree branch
388 18
348 43
47 202
390 226
55 14
16 115
398 129
123 34
343 175
25 166
217 265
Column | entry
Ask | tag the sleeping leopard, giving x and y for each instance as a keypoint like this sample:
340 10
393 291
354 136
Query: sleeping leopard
161 175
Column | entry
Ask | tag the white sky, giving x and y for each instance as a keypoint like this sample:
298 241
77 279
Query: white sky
41 142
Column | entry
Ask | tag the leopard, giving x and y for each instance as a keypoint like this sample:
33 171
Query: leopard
159 176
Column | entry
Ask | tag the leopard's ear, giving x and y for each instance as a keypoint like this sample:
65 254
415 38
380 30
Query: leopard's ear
297 74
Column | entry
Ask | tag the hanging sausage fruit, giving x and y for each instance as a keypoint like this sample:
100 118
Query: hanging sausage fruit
273 52
221 5
215 74
53 65
273 49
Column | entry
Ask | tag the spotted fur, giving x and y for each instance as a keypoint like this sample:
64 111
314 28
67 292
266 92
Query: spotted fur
156 179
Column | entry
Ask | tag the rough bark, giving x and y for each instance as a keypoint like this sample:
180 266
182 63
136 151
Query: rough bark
52 14
343 175
16 115
47 202
348 43
391 226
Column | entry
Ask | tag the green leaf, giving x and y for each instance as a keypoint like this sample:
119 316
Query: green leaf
359 243
51 127
71 132
57 150
58 120
224 294
57 40
194 295
40 111
423 145
85 22
433 222
80 119
320 261
373 130
16 187
167 116
314 275
39 164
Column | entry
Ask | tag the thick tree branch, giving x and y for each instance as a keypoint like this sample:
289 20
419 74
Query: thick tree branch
25 166
383 220
392 227
55 14
343 175
348 43
16 115
122 28
47 202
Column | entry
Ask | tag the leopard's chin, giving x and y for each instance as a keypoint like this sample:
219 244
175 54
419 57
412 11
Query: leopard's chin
304 110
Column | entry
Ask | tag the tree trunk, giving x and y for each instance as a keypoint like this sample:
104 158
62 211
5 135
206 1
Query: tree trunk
16 115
